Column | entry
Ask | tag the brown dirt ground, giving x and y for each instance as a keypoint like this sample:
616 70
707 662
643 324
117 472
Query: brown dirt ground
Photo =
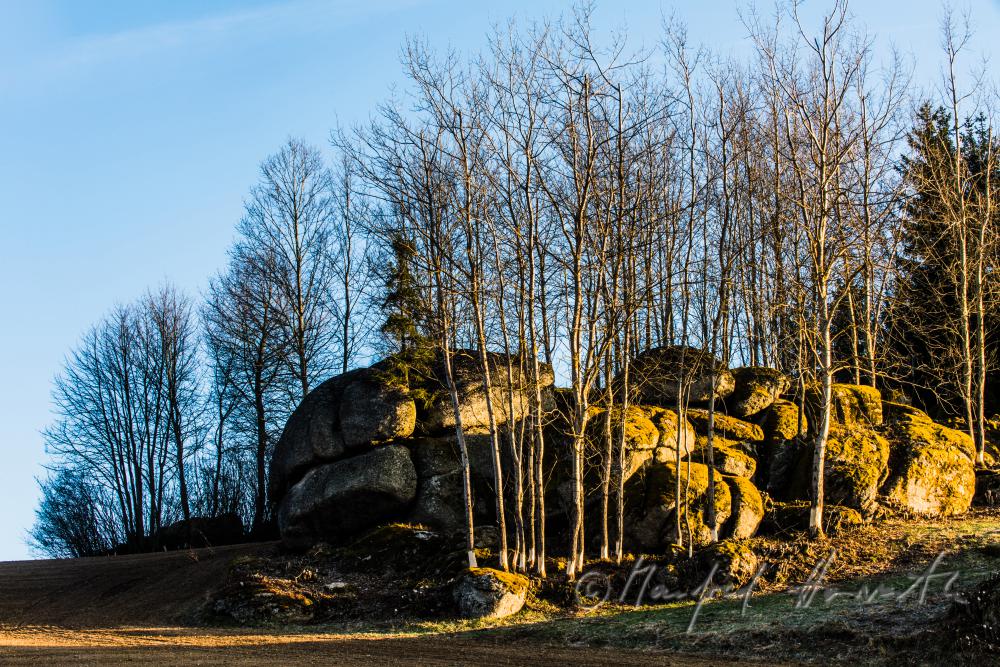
138 609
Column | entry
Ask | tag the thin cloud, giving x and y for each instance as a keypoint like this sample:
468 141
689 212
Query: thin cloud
81 55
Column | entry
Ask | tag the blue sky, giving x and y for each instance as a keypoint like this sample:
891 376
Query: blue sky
130 132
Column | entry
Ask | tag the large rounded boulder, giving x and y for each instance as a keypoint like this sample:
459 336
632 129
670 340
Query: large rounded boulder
343 416
652 507
747 508
657 373
850 405
338 499
757 388
933 467
511 394
488 593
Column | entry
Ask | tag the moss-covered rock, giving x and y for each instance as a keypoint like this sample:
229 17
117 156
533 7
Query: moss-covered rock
674 433
757 387
856 465
851 405
781 421
640 432
487 593
724 425
933 470
747 508
726 456
652 506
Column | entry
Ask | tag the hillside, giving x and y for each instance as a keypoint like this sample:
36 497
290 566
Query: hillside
140 609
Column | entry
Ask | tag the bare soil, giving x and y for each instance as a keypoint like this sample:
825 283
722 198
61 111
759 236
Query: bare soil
151 608
142 609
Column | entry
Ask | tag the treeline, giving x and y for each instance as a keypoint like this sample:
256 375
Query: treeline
169 408
576 204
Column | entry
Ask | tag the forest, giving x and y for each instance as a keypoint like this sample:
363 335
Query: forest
567 203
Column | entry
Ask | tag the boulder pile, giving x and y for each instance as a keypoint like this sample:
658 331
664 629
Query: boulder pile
364 449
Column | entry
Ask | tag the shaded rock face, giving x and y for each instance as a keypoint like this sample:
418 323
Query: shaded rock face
655 375
757 388
371 412
933 472
782 518
440 496
342 416
488 593
987 488
337 499
466 369
781 425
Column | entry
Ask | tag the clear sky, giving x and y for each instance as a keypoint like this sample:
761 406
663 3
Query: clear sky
130 132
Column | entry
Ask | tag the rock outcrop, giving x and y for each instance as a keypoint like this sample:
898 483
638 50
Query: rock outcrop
472 401
656 373
933 472
342 498
757 388
343 416
364 449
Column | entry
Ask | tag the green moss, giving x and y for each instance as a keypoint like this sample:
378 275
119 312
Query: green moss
660 487
781 421
933 467
726 456
640 432
748 493
724 425
850 404
856 465
665 421
734 560
517 583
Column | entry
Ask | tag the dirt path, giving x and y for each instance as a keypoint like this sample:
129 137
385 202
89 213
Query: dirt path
33 646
